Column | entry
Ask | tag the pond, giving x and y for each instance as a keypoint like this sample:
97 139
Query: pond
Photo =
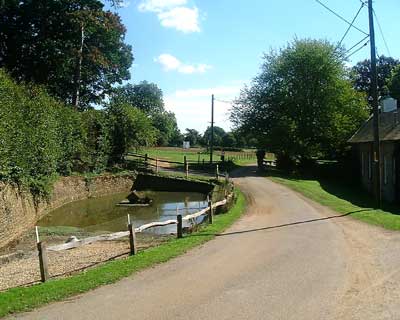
102 215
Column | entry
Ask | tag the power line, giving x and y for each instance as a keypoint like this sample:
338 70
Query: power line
354 52
340 17
356 45
381 32
224 101
352 23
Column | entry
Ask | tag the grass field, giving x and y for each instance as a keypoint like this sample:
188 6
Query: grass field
23 299
344 199
195 154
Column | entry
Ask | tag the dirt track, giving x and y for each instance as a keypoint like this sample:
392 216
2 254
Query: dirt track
272 264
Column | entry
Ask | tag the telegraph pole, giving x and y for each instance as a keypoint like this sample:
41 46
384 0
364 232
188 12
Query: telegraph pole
212 129
375 108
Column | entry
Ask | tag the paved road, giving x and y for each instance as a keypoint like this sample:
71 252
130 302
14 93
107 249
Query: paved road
282 260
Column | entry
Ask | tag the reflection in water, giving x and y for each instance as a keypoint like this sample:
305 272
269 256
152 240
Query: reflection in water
102 214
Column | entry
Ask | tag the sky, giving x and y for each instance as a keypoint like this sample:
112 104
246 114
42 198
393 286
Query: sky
194 48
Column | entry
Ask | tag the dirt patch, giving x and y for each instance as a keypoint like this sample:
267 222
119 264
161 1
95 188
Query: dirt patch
24 270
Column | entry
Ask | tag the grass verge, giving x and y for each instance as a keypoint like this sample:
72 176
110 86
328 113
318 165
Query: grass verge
24 299
345 199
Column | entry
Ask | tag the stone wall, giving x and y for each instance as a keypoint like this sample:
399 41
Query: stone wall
19 211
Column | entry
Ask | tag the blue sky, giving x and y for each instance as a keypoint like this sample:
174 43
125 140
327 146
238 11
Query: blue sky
191 49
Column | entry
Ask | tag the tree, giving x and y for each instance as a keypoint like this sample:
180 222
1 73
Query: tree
73 47
301 104
361 75
129 128
229 140
165 123
394 84
193 136
146 96
219 133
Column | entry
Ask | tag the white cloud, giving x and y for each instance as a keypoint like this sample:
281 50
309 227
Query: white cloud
192 107
181 18
171 63
159 5
173 14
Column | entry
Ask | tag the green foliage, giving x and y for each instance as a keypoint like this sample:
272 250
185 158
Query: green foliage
148 97
193 136
37 134
96 141
129 128
145 96
301 104
394 84
361 75
40 42
42 138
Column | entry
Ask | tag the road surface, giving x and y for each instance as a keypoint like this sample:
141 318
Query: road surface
284 259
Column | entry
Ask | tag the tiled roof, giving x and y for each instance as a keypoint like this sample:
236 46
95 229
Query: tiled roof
389 129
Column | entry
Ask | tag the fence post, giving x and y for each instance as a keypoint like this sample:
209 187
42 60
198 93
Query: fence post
198 158
187 170
44 271
210 213
179 226
184 161
146 160
156 165
217 172
132 239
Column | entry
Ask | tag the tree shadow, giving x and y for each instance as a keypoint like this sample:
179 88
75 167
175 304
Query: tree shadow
292 223
348 190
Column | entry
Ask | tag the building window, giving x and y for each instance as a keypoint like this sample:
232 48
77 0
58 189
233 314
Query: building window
385 170
369 165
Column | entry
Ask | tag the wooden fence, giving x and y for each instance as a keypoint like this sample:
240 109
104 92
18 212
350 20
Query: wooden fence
131 232
146 162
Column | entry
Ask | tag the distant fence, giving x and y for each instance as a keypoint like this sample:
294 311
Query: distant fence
156 164
131 232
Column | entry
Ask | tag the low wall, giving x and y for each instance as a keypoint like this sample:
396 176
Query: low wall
172 184
19 211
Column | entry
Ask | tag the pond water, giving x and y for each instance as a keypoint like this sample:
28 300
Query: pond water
103 215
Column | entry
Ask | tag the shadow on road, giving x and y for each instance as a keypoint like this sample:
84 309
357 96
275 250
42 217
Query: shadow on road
285 224
246 171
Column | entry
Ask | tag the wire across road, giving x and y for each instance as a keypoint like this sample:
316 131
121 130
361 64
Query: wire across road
283 260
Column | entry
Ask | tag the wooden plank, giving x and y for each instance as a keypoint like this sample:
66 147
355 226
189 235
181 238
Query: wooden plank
154 224
196 214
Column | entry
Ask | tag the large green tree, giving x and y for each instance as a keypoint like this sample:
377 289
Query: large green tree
219 134
148 97
361 75
73 47
301 104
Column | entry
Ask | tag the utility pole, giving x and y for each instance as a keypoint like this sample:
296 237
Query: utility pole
212 129
375 107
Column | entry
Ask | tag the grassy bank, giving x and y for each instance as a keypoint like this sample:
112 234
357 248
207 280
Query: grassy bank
345 199
23 299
